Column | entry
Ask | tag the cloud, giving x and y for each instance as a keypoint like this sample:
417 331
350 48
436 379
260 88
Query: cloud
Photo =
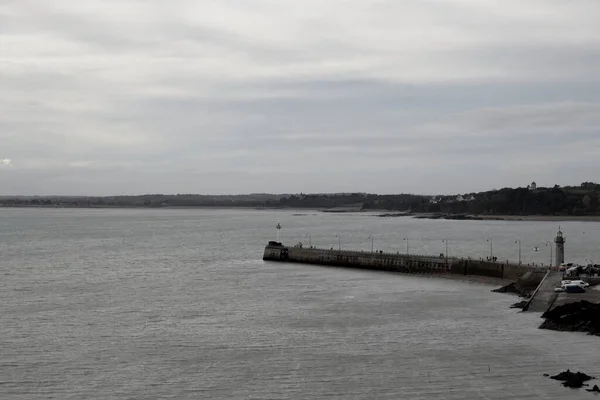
134 96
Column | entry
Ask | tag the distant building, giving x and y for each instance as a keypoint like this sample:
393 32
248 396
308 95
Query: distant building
532 186
466 197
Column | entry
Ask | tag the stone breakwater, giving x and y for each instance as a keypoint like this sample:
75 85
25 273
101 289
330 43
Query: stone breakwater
398 262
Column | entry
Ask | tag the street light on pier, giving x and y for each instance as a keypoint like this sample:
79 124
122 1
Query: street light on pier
309 240
519 242
549 244
339 241
406 239
446 241
371 237
491 248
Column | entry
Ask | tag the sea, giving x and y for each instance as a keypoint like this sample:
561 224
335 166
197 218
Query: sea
178 304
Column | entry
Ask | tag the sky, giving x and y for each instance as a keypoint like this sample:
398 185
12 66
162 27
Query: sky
106 97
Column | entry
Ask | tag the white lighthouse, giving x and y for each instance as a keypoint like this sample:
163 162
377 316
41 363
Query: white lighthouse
560 247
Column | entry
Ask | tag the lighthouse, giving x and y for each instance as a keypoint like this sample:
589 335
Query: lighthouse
560 247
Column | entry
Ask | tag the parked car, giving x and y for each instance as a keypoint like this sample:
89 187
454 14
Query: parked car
578 282
572 287
565 266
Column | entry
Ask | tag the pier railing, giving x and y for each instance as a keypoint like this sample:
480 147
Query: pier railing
421 257
382 253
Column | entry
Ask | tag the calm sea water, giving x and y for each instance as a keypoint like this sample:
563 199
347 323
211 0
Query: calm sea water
177 304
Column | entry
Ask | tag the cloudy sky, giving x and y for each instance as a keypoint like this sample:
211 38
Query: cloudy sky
236 96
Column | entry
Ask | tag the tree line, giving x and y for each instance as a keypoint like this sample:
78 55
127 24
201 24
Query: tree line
583 199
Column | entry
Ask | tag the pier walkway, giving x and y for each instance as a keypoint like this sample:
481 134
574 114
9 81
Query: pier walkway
544 295
545 298
395 262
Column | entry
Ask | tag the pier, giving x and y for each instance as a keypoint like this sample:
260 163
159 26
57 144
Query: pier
544 296
398 262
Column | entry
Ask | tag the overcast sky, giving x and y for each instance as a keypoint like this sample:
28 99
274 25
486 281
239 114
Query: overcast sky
106 97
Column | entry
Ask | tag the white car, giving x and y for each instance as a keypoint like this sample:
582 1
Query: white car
571 288
565 266
575 282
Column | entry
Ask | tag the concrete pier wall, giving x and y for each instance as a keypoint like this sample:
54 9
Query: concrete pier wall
396 262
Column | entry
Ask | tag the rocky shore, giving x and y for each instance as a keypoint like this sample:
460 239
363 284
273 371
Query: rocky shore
460 217
581 316
519 288
488 217
574 380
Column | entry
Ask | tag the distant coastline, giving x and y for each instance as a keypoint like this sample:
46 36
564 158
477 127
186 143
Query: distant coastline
576 203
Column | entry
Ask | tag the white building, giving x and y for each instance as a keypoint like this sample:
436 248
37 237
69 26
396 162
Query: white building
467 197
532 186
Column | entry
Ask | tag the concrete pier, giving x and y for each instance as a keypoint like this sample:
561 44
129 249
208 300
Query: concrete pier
395 262
544 296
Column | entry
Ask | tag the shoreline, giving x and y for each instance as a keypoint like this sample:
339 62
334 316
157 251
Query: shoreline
494 217
558 218
579 218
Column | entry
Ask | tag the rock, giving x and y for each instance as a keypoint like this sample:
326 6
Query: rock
572 379
514 288
403 214
520 304
510 288
595 389
546 375
581 316
565 375
573 383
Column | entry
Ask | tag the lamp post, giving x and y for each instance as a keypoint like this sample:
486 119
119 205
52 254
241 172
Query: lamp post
519 242
406 239
339 241
549 244
371 237
309 240
446 241
491 248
